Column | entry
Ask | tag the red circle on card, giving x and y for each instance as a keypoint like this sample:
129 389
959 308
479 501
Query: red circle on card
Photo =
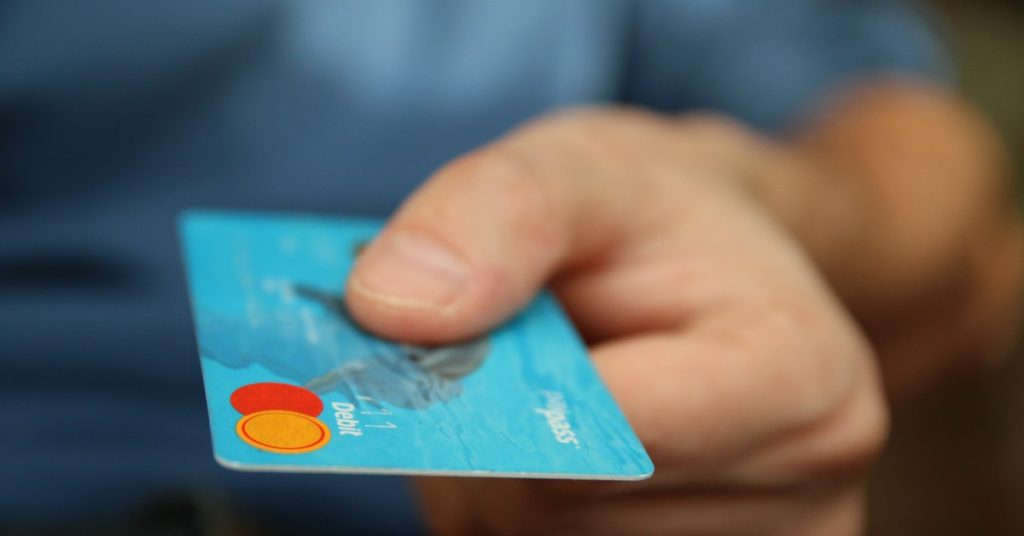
270 395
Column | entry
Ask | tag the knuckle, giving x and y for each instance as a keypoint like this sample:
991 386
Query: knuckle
510 186
822 352
832 389
711 123
805 362
593 130
716 137
856 435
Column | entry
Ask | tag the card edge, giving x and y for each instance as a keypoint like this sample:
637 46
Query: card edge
355 470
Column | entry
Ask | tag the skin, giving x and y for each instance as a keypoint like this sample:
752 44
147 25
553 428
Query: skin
728 313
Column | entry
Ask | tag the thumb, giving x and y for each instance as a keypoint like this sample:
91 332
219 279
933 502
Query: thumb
472 246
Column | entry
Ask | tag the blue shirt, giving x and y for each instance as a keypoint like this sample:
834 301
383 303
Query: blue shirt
115 115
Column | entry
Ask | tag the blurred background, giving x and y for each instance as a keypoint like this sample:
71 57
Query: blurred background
955 464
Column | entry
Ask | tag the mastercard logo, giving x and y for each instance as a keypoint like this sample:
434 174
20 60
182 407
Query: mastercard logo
280 418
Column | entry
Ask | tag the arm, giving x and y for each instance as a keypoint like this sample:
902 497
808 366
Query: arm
899 193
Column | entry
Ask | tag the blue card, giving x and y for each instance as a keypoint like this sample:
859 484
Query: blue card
292 384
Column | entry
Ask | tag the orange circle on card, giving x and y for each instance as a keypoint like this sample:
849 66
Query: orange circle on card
283 432
270 395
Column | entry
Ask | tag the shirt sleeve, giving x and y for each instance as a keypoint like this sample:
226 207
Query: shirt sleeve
767 62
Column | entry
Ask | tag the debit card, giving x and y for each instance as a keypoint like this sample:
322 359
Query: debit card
293 384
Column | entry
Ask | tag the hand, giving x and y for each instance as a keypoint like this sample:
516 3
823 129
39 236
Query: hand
754 393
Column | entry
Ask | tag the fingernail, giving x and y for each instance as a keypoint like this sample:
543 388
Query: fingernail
409 269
